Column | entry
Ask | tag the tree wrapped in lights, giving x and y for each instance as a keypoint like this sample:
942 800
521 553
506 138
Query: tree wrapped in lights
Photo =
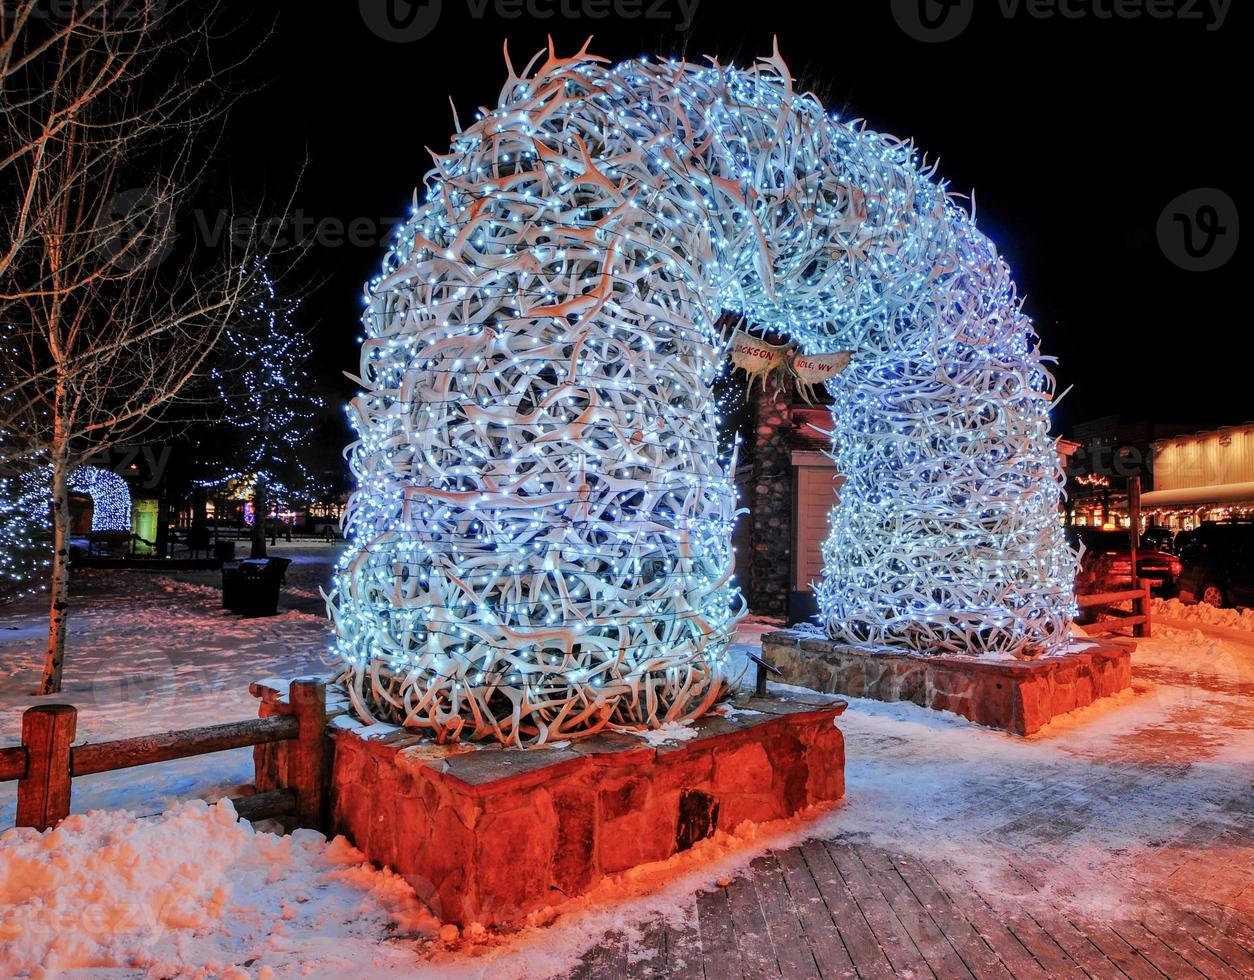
262 381
24 529
540 537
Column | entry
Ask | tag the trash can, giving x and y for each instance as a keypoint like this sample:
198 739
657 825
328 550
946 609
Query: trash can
224 550
231 589
259 581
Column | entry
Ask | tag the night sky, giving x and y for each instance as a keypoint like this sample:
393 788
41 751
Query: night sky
1074 133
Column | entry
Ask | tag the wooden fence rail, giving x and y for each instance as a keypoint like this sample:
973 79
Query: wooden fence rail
1138 619
47 761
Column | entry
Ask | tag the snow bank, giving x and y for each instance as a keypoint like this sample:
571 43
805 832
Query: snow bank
195 889
1201 612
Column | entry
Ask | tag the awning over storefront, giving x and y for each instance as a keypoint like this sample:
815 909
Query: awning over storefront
1220 493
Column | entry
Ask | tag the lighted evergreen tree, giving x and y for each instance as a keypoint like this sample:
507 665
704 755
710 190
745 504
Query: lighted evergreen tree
24 532
271 406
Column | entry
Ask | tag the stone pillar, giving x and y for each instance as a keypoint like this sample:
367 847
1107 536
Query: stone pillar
770 499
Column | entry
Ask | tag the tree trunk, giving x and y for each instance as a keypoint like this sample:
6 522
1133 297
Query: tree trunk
261 507
59 582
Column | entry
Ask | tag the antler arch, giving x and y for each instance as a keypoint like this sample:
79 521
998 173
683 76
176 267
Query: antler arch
540 539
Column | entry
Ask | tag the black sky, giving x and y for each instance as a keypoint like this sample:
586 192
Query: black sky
1074 133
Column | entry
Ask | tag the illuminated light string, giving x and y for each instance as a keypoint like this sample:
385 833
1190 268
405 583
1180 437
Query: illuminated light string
110 497
540 538
25 520
24 527
266 391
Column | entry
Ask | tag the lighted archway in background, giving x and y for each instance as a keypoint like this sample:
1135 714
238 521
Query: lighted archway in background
540 538
110 497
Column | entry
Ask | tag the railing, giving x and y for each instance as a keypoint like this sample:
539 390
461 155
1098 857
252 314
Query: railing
1138 620
47 761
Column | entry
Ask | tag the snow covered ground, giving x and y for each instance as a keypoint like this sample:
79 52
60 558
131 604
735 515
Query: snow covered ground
1241 618
152 652
1147 793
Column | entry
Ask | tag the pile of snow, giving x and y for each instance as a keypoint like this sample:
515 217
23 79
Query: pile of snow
194 887
668 734
1201 612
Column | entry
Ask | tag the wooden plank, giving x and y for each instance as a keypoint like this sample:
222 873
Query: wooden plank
1106 598
792 953
720 954
757 952
1191 949
990 924
1163 957
1075 944
607 960
893 938
931 941
976 954
835 956
863 948
1054 960
144 750
1216 920
265 806
12 763
646 956
1135 966
683 952
43 794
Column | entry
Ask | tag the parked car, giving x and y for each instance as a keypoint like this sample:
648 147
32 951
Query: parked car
1159 539
1219 564
1106 563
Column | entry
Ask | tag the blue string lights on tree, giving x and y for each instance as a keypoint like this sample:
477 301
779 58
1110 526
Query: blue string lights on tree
265 388
24 532
540 536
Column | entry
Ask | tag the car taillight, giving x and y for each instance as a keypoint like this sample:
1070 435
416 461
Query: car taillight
1175 566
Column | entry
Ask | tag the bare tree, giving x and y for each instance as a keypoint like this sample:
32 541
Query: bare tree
110 112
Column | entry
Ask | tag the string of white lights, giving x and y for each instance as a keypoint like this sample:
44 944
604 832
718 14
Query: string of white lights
24 533
540 537
110 497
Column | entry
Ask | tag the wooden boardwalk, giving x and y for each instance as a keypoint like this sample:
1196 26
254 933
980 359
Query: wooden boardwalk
845 909
1122 847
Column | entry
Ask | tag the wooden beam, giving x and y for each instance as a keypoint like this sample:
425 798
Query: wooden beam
12 763
145 749
264 806
1107 598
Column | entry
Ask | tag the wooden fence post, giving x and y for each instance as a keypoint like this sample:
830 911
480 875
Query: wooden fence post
1143 629
43 795
307 756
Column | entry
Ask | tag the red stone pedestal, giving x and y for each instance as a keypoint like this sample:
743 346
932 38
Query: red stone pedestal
489 835
1018 696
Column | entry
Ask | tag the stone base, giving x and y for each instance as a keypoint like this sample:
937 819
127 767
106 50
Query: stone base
1017 696
490 835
